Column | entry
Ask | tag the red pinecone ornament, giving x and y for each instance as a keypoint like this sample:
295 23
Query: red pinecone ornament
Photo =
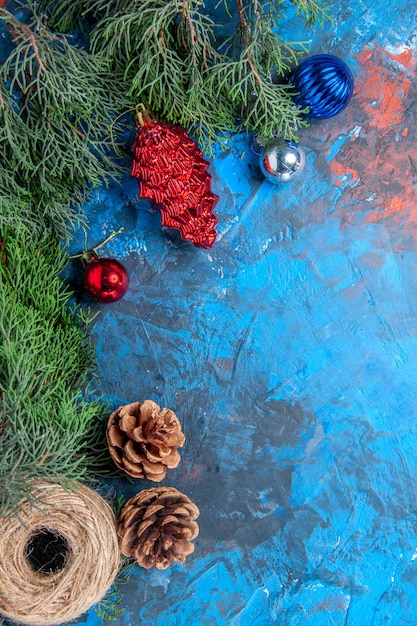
172 173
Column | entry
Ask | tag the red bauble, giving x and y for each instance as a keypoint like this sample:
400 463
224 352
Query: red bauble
172 173
105 279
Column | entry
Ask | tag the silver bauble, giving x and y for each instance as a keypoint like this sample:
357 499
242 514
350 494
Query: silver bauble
281 160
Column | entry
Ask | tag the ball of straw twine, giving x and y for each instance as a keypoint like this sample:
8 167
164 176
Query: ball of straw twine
87 524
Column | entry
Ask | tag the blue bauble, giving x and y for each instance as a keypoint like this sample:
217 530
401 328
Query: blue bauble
324 84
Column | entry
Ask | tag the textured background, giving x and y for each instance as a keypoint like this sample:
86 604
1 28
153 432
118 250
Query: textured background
289 353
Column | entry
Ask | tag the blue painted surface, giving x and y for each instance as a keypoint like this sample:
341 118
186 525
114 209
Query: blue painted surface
288 351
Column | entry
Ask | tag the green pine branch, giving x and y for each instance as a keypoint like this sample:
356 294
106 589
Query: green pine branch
56 107
110 607
313 12
50 427
189 68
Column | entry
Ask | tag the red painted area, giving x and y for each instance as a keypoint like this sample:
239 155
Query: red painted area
401 206
383 87
344 176
405 58
377 168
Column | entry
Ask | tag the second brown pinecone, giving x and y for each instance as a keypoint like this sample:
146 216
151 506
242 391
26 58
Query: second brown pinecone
157 526
143 439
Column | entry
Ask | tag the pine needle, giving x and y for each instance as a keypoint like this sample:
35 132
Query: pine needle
50 427
56 109
214 79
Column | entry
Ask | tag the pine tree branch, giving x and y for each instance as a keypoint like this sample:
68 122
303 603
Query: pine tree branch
314 12
16 28
54 138
50 427
175 57
244 29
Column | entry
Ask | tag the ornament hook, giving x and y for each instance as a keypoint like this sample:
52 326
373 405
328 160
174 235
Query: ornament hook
142 115
103 243
87 254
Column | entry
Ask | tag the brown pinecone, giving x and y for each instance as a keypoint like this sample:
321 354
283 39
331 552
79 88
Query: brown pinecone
143 439
156 527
